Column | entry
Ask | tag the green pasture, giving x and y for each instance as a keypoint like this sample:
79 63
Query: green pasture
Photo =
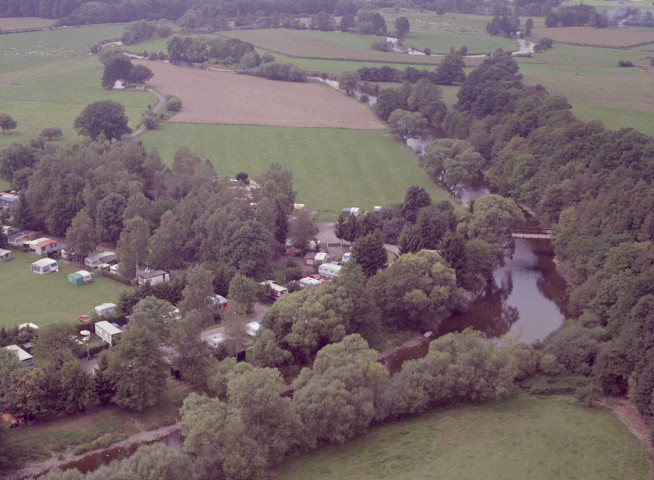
332 168
615 118
56 100
601 5
532 438
41 299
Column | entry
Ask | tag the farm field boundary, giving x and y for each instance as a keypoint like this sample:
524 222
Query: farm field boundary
332 168
226 98
596 37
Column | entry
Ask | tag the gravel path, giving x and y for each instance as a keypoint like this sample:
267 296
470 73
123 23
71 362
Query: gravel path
160 103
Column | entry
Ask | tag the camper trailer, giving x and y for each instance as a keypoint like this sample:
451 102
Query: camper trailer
44 266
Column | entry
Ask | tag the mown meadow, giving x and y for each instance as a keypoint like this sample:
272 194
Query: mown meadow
41 299
332 168
525 437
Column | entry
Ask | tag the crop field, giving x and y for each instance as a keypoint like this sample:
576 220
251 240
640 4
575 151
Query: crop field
19 23
525 438
231 99
600 37
332 168
301 44
42 299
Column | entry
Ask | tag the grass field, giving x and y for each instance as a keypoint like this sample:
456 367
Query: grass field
524 438
600 37
19 23
332 168
41 299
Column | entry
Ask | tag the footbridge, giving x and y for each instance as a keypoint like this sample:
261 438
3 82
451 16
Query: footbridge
532 232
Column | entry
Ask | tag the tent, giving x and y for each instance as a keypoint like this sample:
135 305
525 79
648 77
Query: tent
81 277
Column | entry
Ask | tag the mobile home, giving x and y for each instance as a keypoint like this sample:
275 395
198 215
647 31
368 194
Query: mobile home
107 331
45 265
81 277
5 255
94 261
329 270
105 309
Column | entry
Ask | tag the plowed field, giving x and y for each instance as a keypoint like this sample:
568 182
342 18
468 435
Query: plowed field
601 37
231 99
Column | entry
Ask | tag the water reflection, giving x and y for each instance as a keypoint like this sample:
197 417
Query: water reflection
526 297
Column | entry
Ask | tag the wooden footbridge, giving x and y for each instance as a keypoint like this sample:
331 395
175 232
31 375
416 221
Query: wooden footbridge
532 232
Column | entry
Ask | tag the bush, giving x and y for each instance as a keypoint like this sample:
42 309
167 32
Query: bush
174 104
150 121
293 274
279 71
625 63
267 57
382 46
51 133
364 98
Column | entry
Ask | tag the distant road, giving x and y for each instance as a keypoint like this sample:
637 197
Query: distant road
156 108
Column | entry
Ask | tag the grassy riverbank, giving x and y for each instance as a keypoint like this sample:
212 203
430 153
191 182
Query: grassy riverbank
526 437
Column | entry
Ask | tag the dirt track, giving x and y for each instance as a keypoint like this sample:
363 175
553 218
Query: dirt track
231 99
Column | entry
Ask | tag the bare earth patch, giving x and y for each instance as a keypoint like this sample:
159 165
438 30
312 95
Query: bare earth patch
600 37
19 23
230 99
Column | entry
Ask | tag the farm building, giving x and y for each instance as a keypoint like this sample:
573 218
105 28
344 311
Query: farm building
329 270
5 255
216 303
278 289
152 277
42 246
215 339
105 309
23 356
45 265
94 261
107 331
81 277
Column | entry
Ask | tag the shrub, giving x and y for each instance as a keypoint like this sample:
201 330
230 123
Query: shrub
150 121
293 274
625 63
267 57
51 133
174 104
364 98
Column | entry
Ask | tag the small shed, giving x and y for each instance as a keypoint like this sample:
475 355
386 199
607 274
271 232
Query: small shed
105 309
25 358
81 277
107 331
310 258
5 255
216 303
44 266
329 270
152 277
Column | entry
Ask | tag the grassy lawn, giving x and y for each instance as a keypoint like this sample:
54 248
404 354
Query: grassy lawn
42 299
332 168
525 438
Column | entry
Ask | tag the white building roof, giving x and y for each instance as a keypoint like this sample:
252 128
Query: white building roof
252 328
22 354
4 252
108 327
321 257
44 262
274 286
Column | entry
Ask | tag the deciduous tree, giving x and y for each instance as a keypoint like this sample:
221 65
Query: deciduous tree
104 117
81 237
6 122
132 246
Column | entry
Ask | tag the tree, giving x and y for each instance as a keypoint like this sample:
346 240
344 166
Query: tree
14 158
26 396
132 246
269 417
450 70
405 125
417 291
51 133
199 286
302 231
250 250
349 82
105 117
402 27
103 384
150 462
388 100
109 217
139 74
337 398
9 363
6 122
190 357
117 68
81 237
55 344
244 292
166 243
369 252
415 198
137 369
215 433
77 388
158 316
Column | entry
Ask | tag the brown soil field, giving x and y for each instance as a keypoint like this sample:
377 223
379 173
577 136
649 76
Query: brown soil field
295 43
19 23
230 99
601 37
